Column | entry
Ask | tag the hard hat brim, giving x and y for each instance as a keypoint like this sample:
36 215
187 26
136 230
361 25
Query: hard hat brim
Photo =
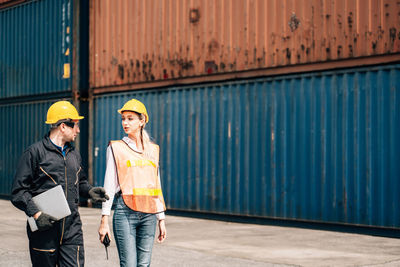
78 118
122 110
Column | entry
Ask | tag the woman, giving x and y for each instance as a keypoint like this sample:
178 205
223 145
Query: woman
132 176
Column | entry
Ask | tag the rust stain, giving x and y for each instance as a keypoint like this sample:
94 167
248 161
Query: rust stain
339 51
328 50
350 20
339 21
210 67
350 51
288 54
392 34
114 61
294 22
374 46
121 71
194 15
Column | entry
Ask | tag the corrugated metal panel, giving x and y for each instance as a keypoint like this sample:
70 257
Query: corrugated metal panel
144 41
36 48
318 146
22 125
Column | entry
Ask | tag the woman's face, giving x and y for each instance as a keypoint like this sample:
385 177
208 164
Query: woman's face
131 122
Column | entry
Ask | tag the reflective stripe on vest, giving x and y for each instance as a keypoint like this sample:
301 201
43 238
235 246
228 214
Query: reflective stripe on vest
138 177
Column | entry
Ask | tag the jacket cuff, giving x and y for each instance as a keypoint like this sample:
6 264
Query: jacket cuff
31 208
84 190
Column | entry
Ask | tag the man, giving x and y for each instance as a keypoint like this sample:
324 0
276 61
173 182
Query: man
50 162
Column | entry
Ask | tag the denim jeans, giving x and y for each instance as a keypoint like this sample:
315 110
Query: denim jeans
134 234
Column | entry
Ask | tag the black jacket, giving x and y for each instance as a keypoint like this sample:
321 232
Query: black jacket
41 167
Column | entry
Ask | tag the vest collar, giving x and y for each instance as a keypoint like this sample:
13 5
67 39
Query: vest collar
131 144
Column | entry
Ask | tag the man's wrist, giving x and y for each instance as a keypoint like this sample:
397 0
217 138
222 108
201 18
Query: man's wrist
36 215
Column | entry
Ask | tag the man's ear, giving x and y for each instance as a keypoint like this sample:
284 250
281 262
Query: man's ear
62 127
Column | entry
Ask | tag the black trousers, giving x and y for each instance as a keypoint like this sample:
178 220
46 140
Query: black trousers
46 250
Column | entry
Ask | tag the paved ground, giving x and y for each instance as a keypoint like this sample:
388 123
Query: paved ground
199 242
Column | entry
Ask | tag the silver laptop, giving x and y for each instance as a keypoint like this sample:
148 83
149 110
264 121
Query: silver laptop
51 202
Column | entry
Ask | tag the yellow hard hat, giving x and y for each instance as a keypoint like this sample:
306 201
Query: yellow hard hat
62 110
136 106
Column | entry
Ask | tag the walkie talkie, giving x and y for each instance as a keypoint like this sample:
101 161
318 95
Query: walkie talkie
106 243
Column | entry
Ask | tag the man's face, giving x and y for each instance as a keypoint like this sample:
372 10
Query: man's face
70 133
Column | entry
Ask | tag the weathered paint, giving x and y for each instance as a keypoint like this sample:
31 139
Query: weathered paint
9 3
134 41
36 48
319 146
283 70
22 125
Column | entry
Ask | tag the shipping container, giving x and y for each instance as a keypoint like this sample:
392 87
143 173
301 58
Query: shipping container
134 42
9 3
22 125
319 146
36 48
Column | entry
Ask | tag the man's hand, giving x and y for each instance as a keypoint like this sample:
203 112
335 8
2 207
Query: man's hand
45 221
98 194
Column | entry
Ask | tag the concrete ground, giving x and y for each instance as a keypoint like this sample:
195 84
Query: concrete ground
199 242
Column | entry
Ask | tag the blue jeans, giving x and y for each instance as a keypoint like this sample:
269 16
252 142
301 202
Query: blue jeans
134 234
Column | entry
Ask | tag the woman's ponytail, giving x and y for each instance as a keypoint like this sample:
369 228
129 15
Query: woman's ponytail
144 135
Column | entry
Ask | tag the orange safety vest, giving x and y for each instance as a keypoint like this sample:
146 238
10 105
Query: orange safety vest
138 177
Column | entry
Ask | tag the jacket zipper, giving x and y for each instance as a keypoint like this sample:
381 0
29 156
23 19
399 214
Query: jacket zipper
77 178
77 257
47 175
66 196
44 250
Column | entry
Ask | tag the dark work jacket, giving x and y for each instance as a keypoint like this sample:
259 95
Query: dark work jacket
41 167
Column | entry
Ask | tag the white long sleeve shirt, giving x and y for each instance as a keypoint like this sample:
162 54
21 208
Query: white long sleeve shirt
111 184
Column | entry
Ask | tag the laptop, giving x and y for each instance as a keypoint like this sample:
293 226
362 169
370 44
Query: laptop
51 202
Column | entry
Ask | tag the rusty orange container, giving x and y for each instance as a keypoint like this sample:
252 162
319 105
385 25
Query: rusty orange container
6 1
9 3
139 42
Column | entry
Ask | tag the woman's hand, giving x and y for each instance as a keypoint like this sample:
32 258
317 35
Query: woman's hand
104 228
163 231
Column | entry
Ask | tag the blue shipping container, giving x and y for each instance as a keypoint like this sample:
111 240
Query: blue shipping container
22 125
320 146
36 48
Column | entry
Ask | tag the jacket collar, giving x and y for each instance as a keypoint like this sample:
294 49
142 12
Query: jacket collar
50 146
